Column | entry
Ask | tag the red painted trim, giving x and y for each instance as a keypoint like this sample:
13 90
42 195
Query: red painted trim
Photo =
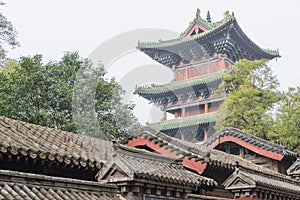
141 141
197 26
189 163
258 150
194 165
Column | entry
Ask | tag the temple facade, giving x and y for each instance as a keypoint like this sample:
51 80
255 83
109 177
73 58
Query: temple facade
37 162
198 58
256 170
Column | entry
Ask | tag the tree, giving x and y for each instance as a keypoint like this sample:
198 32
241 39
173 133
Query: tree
250 93
46 95
7 35
286 129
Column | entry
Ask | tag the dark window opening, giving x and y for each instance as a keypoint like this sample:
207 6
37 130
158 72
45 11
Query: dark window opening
197 31
235 150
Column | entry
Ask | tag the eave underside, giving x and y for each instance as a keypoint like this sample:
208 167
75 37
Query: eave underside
227 39
194 120
210 99
162 95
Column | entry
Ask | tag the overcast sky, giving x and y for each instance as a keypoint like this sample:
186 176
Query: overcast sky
53 27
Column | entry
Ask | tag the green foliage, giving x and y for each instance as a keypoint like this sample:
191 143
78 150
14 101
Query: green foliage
251 93
286 129
7 35
68 94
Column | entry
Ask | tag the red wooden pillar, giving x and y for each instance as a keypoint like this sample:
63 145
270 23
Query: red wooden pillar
186 74
183 112
205 135
206 108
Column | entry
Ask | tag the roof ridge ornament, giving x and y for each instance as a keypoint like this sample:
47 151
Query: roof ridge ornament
198 13
227 14
208 18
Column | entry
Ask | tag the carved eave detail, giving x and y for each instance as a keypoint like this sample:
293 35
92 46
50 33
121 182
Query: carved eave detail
114 171
294 170
239 181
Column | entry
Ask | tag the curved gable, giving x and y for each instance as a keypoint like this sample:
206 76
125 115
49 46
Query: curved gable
166 145
250 142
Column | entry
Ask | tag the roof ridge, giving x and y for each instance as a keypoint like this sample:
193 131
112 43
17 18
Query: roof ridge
268 173
39 141
144 154
198 19
174 143
266 144
23 123
182 39
155 166
240 164
49 178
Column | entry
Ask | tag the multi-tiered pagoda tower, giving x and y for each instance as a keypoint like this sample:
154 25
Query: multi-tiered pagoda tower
198 58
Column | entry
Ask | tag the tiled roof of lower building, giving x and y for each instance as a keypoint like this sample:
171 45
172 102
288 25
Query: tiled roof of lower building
261 176
219 158
136 163
251 139
262 180
34 141
180 147
199 152
18 185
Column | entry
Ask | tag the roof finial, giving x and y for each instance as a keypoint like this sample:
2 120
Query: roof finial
198 13
208 19
227 13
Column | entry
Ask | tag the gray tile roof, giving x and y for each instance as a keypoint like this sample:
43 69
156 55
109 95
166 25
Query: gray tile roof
137 163
29 140
221 158
25 186
212 157
294 169
251 139
263 180
180 147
